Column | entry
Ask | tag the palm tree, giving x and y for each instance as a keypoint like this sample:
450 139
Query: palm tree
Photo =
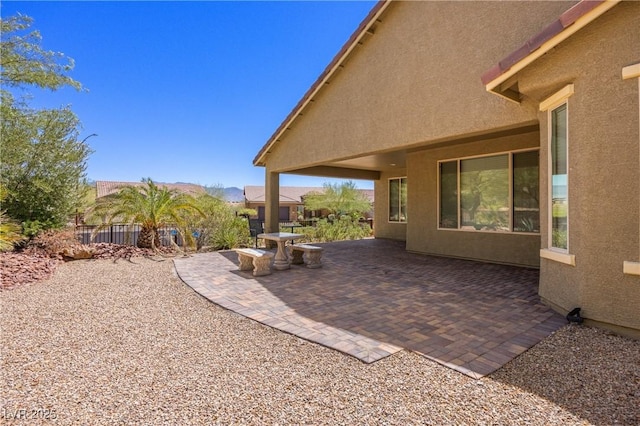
149 205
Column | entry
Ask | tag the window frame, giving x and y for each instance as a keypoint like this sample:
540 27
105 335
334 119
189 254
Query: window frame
510 173
550 162
549 105
400 179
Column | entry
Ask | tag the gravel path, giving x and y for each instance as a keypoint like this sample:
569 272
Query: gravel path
128 343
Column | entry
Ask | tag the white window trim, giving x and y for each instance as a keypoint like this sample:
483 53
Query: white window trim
509 155
631 71
399 178
554 101
631 268
558 98
558 256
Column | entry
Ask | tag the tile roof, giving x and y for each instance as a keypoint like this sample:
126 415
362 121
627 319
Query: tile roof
290 194
563 22
105 187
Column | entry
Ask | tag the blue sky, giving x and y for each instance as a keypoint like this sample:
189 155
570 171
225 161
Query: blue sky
188 91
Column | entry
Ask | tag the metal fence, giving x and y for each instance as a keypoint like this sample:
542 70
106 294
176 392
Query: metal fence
123 234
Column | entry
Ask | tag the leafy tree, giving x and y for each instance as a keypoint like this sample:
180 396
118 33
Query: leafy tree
340 199
43 163
25 62
149 205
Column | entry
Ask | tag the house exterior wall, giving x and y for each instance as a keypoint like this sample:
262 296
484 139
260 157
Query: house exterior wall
415 82
292 209
604 181
415 85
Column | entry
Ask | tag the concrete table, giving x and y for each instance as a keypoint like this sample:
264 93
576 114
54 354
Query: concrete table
281 261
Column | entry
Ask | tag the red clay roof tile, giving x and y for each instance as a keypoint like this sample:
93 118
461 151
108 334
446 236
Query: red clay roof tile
556 27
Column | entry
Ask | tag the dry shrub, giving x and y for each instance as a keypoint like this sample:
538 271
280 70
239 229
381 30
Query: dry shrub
53 242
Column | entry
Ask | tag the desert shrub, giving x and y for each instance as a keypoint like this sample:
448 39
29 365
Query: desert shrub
219 227
53 242
234 232
31 228
343 228
9 233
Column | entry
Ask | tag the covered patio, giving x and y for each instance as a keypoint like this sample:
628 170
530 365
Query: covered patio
372 298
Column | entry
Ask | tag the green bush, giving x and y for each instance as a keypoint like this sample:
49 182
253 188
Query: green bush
219 228
9 233
233 233
31 228
344 228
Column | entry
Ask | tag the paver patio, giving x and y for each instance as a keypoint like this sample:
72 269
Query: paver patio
372 298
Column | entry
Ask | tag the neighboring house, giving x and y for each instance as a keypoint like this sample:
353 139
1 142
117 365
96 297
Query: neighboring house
534 161
104 187
290 201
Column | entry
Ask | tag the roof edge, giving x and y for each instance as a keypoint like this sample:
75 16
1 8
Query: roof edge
340 57
572 20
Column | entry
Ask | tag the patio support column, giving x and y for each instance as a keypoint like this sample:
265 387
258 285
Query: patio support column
272 203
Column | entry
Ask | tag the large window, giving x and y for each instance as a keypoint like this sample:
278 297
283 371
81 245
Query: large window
559 178
398 200
490 193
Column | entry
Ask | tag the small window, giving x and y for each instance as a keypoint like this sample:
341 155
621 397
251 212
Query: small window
398 200
559 182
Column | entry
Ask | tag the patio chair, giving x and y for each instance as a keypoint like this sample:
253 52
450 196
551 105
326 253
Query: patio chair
255 228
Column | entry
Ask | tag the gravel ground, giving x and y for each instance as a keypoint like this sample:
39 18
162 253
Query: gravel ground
129 343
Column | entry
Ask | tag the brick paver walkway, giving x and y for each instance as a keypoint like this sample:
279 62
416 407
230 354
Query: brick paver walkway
371 299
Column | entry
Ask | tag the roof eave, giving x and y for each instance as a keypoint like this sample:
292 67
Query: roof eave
499 79
329 71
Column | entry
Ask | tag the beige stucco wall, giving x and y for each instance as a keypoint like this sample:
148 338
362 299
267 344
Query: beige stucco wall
604 167
415 81
422 230
415 84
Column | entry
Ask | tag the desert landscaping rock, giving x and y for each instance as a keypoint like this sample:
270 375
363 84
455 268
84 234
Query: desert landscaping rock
126 342
17 269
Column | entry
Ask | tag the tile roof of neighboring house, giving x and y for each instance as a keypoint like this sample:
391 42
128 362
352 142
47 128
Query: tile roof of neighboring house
563 24
289 194
366 26
104 187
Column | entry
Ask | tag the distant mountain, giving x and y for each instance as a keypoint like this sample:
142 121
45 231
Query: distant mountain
233 194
